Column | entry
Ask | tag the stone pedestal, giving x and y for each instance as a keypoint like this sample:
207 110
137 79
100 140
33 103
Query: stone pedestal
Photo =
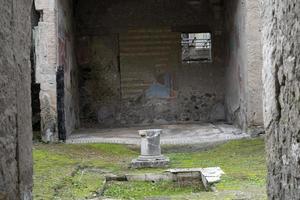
151 156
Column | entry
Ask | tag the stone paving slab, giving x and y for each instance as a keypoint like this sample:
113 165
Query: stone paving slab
178 134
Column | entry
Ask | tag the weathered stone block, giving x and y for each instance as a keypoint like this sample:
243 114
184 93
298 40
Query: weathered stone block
150 143
150 150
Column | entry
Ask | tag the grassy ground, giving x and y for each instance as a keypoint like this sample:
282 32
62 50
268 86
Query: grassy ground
77 171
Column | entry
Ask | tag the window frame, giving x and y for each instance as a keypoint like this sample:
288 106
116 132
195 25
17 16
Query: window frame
201 60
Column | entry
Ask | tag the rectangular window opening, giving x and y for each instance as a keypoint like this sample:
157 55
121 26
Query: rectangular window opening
196 47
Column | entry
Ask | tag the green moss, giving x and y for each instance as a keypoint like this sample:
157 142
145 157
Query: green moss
77 171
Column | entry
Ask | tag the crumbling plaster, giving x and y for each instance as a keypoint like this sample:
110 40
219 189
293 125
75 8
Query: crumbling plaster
244 63
54 47
197 89
45 37
233 79
66 53
199 92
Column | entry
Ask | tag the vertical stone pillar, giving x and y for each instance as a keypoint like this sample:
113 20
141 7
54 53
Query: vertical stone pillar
15 100
150 150
281 81
45 36
150 143
253 64
244 60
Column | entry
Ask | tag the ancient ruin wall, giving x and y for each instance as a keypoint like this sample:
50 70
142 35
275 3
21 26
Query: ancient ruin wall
45 35
54 47
235 60
254 88
15 108
281 78
66 59
113 93
244 63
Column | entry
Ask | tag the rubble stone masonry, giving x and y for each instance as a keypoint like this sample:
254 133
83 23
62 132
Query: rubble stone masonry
281 77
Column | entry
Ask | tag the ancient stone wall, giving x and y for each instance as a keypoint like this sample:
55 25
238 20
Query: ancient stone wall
244 63
281 81
236 51
254 88
45 36
15 108
54 47
66 60
122 55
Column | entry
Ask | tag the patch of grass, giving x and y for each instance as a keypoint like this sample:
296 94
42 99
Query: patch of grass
64 171
139 190
243 161
48 170
61 171
79 186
